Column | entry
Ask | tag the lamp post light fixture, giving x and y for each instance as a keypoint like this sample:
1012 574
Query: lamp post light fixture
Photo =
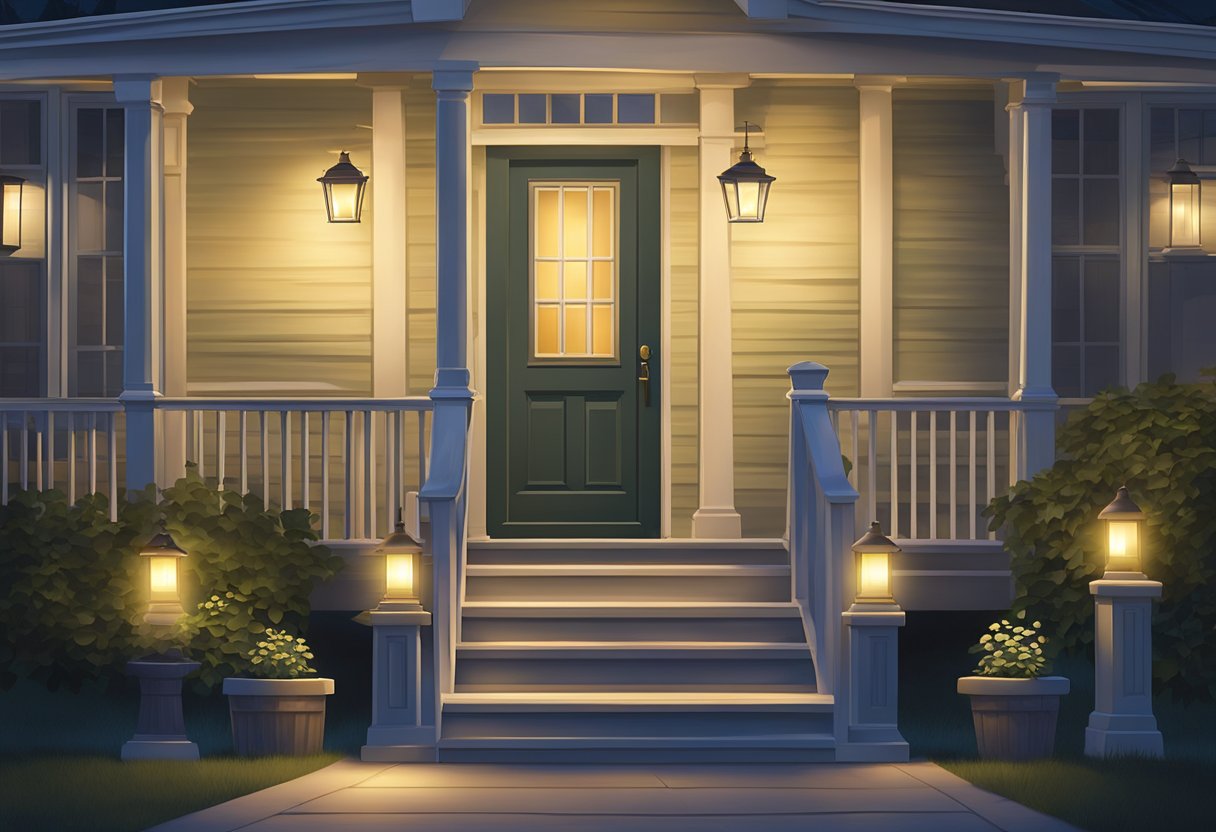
160 732
745 186
10 213
1184 206
1122 721
402 569
873 551
343 185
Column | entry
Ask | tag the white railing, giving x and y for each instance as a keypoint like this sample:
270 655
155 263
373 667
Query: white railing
926 468
70 444
351 461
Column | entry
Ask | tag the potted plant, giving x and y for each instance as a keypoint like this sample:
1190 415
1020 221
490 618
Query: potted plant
279 708
1013 705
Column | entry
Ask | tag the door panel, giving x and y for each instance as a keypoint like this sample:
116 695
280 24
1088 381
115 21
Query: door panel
573 292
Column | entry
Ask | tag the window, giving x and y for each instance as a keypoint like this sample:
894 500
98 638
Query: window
96 230
574 273
570 109
1181 133
1087 235
22 274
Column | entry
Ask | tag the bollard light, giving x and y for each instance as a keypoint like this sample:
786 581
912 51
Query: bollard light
874 551
343 185
1184 205
402 569
1124 534
164 596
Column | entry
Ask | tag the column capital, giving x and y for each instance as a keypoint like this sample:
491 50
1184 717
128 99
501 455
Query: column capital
137 89
1033 88
721 80
175 96
882 83
454 76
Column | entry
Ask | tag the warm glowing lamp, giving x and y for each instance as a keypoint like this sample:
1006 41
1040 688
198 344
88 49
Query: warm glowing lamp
874 550
402 569
1124 533
164 598
343 185
745 187
10 213
1184 205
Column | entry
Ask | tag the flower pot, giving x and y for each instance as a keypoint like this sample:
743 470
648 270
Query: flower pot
1015 719
277 716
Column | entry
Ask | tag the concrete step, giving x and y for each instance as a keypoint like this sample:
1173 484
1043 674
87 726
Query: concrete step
631 620
634 665
601 551
725 583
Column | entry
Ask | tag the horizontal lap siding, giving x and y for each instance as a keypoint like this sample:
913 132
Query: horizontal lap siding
274 292
685 288
951 281
420 232
795 281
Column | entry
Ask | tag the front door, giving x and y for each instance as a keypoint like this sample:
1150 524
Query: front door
572 289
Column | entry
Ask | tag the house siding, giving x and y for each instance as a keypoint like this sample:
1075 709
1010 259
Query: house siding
684 236
951 247
795 280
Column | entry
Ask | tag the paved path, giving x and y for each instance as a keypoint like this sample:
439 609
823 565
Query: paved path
350 796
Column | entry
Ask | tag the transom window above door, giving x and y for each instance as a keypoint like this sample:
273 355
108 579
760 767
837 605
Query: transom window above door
575 276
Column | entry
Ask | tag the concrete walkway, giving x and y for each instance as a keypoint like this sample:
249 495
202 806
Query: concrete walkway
352 796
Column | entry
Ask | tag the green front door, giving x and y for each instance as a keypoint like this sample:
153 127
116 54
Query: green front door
572 289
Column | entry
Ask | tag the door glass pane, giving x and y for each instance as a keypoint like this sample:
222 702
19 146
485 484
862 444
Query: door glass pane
601 281
603 329
575 283
574 222
547 330
601 245
576 329
546 222
546 281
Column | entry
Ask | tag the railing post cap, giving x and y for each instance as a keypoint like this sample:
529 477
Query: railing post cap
808 375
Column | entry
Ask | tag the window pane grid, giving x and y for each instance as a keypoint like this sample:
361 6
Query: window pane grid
574 275
581 109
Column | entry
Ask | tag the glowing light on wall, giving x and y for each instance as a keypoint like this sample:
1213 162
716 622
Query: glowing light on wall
1184 206
343 185
10 213
745 187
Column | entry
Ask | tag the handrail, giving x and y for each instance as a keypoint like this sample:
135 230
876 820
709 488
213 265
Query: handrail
294 404
913 403
61 405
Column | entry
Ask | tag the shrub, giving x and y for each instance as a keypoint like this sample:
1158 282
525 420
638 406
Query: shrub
72 587
1012 650
280 656
1159 440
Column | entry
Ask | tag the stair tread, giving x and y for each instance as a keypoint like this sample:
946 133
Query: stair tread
607 609
624 569
631 700
525 544
814 740
608 646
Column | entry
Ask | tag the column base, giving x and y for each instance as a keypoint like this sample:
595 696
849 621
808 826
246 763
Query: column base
895 751
400 744
717 523
182 749
1123 735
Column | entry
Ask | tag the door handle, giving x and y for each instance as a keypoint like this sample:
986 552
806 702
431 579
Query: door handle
644 373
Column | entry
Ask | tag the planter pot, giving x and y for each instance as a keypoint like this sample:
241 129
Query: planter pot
1015 719
277 716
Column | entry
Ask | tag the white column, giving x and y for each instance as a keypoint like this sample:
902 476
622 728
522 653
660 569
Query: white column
452 84
716 516
1037 95
1122 721
175 100
1014 178
876 235
143 273
389 279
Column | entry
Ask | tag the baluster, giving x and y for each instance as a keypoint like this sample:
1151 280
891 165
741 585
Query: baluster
390 466
953 475
349 479
221 447
422 445
92 451
112 465
200 442
933 475
243 449
325 416
971 471
894 474
912 490
990 463
37 454
305 473
854 441
369 474
872 467
265 448
3 458
25 450
285 457
50 449
71 459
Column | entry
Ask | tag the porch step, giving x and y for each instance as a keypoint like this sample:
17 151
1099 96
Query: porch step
631 620
602 551
648 726
634 665
726 583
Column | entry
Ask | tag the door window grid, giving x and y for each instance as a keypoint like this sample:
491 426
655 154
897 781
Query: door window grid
96 224
1087 247
574 275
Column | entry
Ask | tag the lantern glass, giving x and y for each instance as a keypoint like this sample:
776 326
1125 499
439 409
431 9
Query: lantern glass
1123 545
399 575
874 576
1184 214
10 213
344 201
163 571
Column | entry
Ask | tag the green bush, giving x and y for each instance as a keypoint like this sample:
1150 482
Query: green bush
73 589
1159 440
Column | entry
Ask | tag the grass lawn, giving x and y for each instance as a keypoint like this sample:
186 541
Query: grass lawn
1097 795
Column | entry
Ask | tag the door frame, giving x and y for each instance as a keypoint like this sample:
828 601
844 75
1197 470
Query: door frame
653 161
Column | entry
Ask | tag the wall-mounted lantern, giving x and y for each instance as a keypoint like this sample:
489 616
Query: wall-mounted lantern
874 550
10 213
402 570
1124 533
164 598
745 186
344 185
1184 205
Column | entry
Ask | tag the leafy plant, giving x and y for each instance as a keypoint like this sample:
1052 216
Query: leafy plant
1159 440
73 587
280 656
1011 649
